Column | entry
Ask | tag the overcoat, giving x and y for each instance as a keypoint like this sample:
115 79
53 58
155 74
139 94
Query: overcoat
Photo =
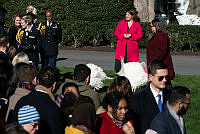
131 44
50 114
158 48
12 36
164 123
143 108
108 126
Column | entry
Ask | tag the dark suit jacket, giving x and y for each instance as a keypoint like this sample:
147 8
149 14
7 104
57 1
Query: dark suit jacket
5 73
143 108
164 123
50 114
12 36
51 38
158 48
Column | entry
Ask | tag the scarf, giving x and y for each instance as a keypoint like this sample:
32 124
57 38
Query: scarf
48 90
26 85
126 126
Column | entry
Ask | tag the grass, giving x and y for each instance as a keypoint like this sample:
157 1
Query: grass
192 118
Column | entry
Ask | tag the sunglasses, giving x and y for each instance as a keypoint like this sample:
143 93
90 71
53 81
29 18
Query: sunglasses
186 103
160 78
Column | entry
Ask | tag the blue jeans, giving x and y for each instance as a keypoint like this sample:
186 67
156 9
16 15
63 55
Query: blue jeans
2 31
50 60
35 63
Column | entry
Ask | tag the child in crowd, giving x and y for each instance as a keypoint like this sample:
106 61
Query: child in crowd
68 87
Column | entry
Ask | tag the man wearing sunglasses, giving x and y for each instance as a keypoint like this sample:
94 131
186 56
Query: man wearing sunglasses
148 102
171 121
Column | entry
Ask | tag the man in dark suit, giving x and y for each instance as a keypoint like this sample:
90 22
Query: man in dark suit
5 72
43 100
171 121
145 104
5 65
51 37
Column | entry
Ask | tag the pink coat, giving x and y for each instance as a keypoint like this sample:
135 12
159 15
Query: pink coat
132 43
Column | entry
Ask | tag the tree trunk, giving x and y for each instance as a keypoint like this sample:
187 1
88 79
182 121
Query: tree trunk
194 7
145 9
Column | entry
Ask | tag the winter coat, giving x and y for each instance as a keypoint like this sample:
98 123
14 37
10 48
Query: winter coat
131 43
50 114
19 93
85 90
158 48
12 36
108 126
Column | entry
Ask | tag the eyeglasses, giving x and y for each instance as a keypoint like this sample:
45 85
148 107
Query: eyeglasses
34 125
160 78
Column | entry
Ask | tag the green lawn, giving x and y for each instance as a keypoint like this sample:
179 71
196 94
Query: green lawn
192 118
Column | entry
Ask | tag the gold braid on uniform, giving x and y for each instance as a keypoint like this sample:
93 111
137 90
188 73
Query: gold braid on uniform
41 28
19 36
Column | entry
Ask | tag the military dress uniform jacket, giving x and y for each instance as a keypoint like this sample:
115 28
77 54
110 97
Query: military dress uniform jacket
51 37
29 42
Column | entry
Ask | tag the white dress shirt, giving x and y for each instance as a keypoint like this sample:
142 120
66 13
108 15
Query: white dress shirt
155 94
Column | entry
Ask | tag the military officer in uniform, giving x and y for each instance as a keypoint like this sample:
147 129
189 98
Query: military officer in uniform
29 40
51 36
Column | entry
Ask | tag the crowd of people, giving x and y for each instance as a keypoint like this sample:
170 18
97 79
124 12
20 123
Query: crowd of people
32 103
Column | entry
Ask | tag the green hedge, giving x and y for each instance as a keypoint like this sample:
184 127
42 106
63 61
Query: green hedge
184 37
87 10
81 33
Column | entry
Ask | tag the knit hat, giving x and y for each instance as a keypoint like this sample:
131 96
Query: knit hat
27 114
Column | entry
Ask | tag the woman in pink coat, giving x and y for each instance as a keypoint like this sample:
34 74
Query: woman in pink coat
128 32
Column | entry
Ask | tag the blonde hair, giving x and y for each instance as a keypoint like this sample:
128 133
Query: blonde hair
31 9
27 19
20 57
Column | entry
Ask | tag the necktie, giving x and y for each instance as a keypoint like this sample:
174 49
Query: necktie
159 102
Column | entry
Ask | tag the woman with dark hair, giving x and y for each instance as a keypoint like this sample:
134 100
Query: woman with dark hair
15 24
128 32
158 47
123 85
29 40
83 119
115 119
120 84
